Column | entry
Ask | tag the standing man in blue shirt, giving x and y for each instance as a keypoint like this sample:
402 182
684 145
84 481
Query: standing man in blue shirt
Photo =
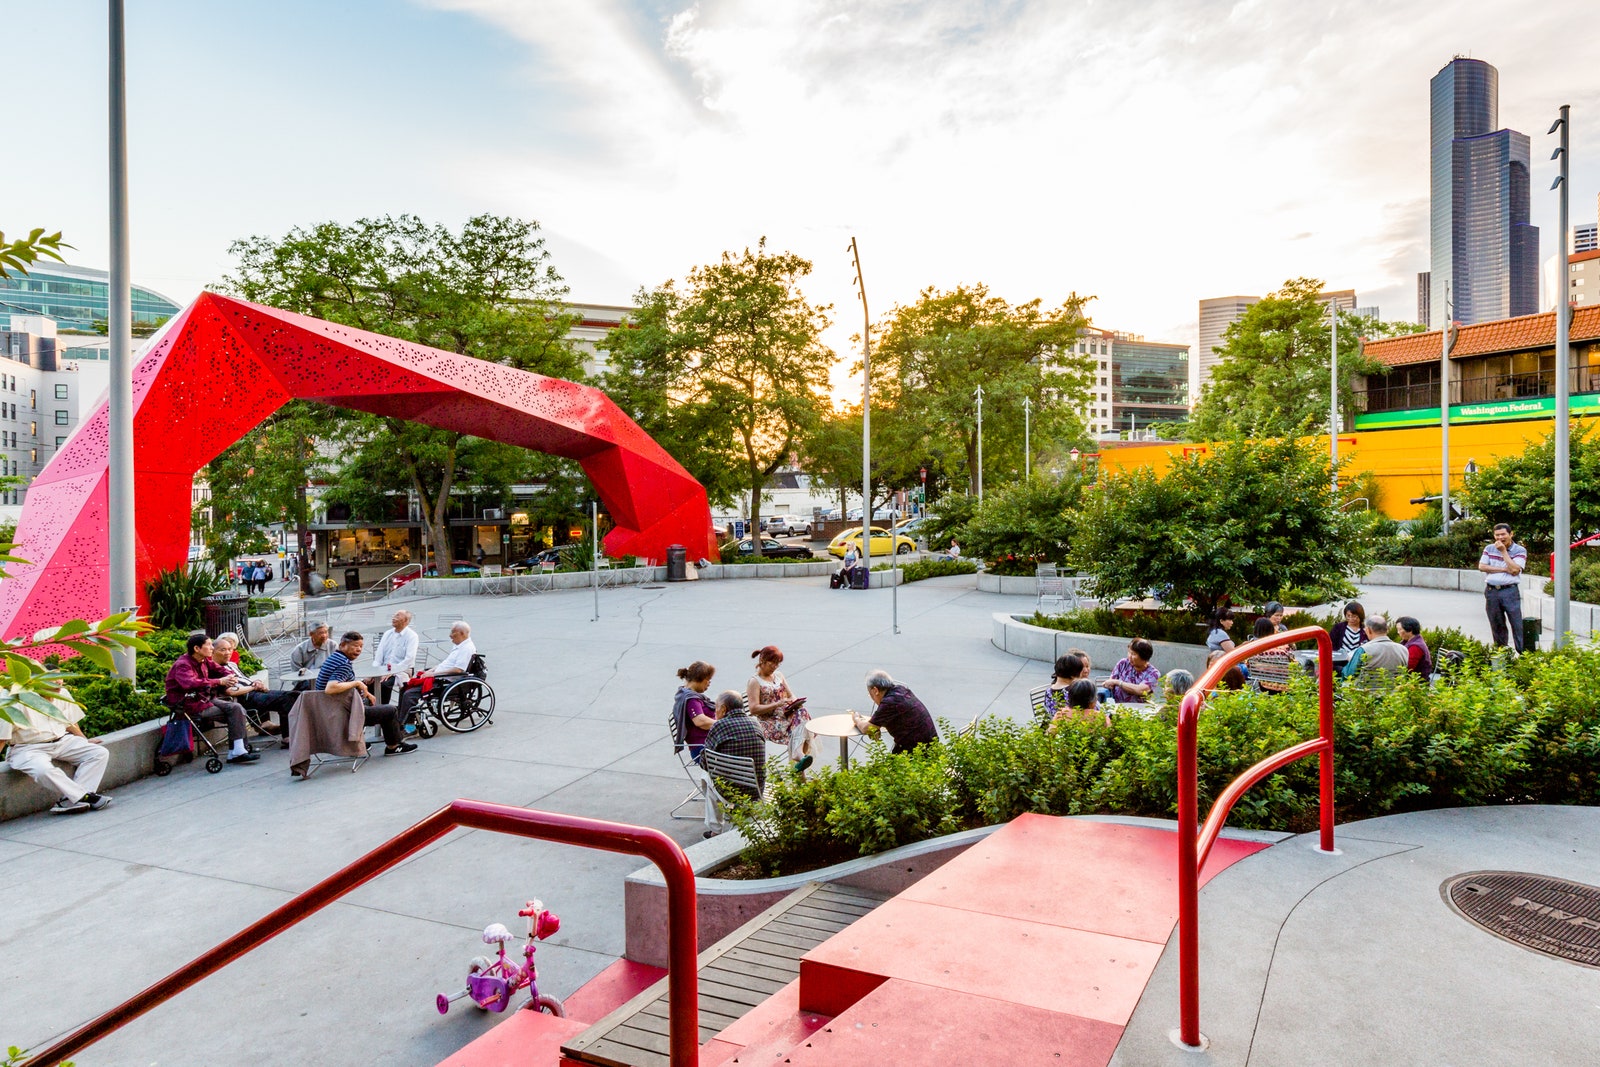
1502 563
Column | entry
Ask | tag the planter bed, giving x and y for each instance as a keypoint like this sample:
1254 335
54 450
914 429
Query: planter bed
1010 634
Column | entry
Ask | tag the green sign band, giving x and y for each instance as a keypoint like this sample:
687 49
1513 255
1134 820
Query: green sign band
1540 407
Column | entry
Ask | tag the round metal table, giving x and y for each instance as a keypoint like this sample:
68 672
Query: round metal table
841 726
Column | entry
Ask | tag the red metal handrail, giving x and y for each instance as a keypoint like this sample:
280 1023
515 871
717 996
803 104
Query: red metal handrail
1193 848
1576 544
657 847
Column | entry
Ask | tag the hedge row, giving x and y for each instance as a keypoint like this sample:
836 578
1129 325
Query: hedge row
1527 734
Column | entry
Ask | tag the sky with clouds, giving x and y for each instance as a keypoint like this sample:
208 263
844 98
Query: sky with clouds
1147 153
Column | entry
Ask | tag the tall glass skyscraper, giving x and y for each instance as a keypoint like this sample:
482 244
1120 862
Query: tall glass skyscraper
1484 249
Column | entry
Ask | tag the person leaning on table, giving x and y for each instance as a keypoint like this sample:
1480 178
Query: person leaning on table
43 741
309 654
899 713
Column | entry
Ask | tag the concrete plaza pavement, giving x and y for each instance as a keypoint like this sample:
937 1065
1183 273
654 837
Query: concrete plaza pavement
102 904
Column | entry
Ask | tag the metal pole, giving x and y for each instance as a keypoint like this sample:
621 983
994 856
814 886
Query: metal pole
1333 403
1444 414
124 592
1563 524
866 419
980 444
594 559
1027 437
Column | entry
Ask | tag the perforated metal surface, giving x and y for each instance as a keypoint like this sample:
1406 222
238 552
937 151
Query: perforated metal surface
1549 915
223 365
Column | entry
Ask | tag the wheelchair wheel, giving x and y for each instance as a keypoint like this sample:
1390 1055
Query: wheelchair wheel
427 725
213 765
466 706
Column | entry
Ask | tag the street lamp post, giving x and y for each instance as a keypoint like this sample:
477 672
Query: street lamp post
119 325
1445 336
1027 438
866 414
1562 575
1333 402
980 444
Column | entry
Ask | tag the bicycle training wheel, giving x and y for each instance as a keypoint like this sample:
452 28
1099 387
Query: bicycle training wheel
466 706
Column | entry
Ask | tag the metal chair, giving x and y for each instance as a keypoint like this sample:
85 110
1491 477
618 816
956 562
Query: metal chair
726 769
702 789
1052 592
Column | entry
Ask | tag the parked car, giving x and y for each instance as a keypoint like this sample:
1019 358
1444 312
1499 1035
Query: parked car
557 555
769 547
913 527
789 525
880 542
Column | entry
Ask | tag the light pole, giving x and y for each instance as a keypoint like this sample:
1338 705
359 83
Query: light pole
1446 342
980 444
1563 526
119 324
866 415
1027 439
1333 402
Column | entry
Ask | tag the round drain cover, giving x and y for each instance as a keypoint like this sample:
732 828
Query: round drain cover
1549 915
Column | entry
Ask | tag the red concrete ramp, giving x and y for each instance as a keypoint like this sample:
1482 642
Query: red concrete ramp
1044 934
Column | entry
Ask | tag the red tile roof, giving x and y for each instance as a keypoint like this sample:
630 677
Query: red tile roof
1486 338
1579 257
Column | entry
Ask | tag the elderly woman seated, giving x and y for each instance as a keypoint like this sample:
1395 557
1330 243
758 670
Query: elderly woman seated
251 693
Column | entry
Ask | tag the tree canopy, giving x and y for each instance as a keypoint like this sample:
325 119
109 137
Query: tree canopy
1274 372
728 372
931 357
1521 489
18 255
488 291
1242 523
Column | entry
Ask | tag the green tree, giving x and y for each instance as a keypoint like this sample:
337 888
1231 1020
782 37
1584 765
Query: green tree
1030 520
1521 489
738 365
1274 373
831 454
488 291
932 356
1243 523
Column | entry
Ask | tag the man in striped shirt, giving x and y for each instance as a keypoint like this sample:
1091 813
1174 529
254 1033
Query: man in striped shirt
338 675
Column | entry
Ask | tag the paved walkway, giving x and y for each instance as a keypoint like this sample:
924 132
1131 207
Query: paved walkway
102 904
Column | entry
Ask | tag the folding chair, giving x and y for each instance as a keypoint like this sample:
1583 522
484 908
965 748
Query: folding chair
730 770
1072 591
1045 570
702 789
1052 592
1038 701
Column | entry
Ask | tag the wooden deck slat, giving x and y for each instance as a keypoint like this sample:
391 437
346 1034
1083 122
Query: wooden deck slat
739 972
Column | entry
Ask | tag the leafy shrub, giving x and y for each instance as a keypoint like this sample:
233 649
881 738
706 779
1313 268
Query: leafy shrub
1179 626
1584 580
176 596
1529 734
264 605
931 568
1011 567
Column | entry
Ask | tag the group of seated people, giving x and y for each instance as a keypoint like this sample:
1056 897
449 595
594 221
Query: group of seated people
741 724
207 684
1362 640
1134 679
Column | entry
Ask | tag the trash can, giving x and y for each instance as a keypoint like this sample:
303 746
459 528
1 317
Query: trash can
677 568
352 578
1531 629
225 613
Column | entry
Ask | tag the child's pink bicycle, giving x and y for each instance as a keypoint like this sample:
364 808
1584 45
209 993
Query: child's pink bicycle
492 983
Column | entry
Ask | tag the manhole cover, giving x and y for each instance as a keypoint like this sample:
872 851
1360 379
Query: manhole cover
1549 915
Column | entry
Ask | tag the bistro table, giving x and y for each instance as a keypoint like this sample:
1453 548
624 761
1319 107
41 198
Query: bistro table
841 726
1307 657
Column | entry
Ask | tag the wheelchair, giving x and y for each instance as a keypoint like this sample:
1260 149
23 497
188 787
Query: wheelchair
461 703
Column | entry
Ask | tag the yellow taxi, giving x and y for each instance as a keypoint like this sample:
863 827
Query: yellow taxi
880 542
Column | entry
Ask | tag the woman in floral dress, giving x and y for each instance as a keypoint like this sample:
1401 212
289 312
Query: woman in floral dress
769 700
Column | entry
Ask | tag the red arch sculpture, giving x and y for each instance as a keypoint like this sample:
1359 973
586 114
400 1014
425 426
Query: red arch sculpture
224 365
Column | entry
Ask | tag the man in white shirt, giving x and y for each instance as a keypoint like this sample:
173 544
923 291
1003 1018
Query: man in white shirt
1502 561
455 663
395 655
45 741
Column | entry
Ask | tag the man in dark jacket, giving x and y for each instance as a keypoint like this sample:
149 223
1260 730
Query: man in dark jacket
899 712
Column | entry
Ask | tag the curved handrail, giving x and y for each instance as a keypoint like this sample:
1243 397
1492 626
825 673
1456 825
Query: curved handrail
657 847
1195 846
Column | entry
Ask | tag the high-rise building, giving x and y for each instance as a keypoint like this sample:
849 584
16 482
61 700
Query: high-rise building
43 398
1583 268
1586 237
1134 382
75 297
1424 294
1484 250
1216 315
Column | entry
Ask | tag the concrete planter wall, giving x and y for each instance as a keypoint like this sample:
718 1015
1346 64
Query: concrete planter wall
1011 634
1583 619
726 904
1018 585
133 755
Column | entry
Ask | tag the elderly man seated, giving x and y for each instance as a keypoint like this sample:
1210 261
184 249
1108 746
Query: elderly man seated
309 654
396 655
456 662
735 733
44 741
338 675
898 712
1378 654
195 685
249 692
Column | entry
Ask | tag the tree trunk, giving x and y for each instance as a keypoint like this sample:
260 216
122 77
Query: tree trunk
302 538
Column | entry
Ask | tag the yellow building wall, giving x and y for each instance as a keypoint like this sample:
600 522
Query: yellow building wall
1406 462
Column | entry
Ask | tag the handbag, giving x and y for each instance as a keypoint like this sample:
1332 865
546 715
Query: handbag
177 737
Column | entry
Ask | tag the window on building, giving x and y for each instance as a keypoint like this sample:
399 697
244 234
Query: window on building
33 427
60 441
33 455
61 390
33 396
61 415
